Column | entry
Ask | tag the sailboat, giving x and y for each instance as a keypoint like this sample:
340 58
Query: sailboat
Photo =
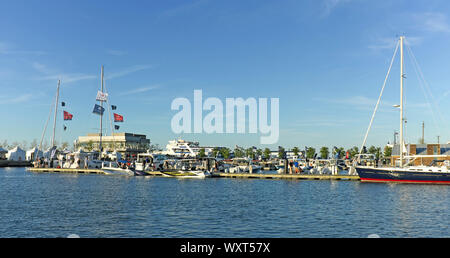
404 173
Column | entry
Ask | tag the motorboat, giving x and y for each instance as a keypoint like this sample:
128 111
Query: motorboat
184 168
113 168
242 165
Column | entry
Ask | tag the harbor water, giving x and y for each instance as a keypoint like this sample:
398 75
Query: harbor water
59 205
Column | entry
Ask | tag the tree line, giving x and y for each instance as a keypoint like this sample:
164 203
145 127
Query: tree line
324 152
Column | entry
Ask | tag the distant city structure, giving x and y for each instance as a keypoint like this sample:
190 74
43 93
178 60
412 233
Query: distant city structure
420 151
124 143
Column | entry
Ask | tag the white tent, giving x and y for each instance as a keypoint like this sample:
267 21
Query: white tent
34 154
16 154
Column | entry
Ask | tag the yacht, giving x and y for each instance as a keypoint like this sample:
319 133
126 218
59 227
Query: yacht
438 172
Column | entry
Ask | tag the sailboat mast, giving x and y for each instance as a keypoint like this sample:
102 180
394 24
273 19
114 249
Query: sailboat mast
56 111
401 100
101 116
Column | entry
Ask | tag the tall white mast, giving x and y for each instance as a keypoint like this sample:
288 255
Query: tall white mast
101 118
56 111
401 100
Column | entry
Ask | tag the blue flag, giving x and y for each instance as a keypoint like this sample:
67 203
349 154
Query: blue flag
98 110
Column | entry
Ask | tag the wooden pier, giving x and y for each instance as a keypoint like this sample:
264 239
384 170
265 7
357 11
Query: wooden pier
215 175
287 176
67 170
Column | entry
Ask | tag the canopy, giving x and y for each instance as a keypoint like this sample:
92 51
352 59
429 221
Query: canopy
16 154
34 153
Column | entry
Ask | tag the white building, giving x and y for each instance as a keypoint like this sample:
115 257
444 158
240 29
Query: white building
124 143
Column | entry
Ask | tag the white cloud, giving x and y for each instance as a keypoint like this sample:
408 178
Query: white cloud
140 90
433 22
53 75
9 49
68 78
18 99
127 71
330 5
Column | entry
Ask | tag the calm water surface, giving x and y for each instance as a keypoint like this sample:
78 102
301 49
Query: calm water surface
57 205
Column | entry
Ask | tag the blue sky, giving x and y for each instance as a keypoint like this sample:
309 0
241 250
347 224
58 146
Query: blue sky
324 59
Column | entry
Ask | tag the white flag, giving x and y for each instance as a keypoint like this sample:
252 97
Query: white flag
101 96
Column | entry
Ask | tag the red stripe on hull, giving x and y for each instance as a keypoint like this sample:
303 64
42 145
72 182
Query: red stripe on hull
402 181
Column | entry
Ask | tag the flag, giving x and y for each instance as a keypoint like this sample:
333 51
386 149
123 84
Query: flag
67 116
98 110
116 127
113 107
52 152
63 104
101 96
118 118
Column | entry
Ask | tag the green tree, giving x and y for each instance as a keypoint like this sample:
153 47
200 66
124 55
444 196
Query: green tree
387 151
354 151
310 152
259 152
324 152
238 153
339 152
295 150
280 152
249 153
201 153
266 153
225 152
215 151
372 150
378 153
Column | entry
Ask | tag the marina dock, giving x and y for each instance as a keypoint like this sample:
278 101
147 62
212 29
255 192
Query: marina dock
66 170
215 175
287 176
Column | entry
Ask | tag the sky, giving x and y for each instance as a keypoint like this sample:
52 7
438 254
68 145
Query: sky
326 61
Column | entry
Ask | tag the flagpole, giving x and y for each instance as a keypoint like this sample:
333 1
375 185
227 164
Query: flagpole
56 111
110 122
101 118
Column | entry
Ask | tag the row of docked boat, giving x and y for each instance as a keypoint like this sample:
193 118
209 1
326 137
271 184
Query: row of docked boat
148 163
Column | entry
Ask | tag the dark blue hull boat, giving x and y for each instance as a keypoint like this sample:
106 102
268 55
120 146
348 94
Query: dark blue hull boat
367 174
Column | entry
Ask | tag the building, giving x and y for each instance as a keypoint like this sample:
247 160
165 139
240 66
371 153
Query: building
420 150
126 143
